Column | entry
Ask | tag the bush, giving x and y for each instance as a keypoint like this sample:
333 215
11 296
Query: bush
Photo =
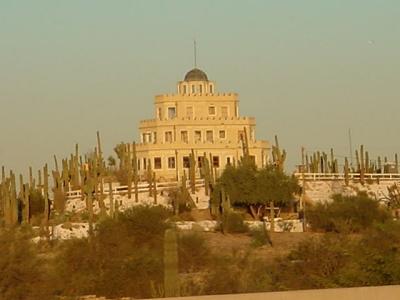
376 257
256 188
337 260
259 238
234 223
314 263
22 272
238 272
346 214
193 252
123 258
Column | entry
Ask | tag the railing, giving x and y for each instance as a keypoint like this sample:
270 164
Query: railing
352 176
142 188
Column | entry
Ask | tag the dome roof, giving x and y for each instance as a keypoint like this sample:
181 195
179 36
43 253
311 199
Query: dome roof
196 75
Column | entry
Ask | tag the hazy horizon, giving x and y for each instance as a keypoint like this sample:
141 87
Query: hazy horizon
307 71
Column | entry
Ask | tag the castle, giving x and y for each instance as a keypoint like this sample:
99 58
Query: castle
198 118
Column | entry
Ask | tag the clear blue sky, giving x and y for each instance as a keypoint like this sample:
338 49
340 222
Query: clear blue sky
307 70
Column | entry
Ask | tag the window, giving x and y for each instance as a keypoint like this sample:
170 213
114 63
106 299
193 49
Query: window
215 161
168 136
193 89
209 136
184 89
189 112
186 162
159 113
200 161
155 137
197 136
184 136
171 162
211 110
200 89
224 111
253 158
147 137
157 162
228 160
171 112
222 134
211 89
144 164
138 164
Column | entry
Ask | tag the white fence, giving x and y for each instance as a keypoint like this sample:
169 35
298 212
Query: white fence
352 176
142 188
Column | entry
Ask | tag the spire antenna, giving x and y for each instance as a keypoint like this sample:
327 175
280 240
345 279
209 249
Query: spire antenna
195 53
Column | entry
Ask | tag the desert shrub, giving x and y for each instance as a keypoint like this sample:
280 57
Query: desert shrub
346 214
314 263
238 272
123 258
259 238
22 273
336 260
375 258
234 223
193 252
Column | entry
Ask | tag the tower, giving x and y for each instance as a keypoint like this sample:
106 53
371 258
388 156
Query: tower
196 117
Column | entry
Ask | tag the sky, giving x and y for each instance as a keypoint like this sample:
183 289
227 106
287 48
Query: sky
307 70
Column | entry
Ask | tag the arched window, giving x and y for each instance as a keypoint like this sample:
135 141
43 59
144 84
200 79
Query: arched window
211 89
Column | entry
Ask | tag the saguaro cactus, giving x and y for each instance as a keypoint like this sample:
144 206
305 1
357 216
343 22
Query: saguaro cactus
129 169
245 146
135 172
362 165
26 204
154 185
346 171
192 172
380 165
278 156
171 274
111 198
149 178
46 197
205 170
9 198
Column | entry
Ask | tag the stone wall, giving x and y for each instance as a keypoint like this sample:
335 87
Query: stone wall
322 190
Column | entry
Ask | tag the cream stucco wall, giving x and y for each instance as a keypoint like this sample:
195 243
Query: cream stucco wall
198 118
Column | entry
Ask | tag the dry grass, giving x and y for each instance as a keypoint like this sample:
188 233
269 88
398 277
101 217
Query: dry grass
283 243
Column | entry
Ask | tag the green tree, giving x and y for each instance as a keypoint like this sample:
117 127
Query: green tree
256 188
111 161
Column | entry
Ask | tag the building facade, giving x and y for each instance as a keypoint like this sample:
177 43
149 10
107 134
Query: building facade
198 118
